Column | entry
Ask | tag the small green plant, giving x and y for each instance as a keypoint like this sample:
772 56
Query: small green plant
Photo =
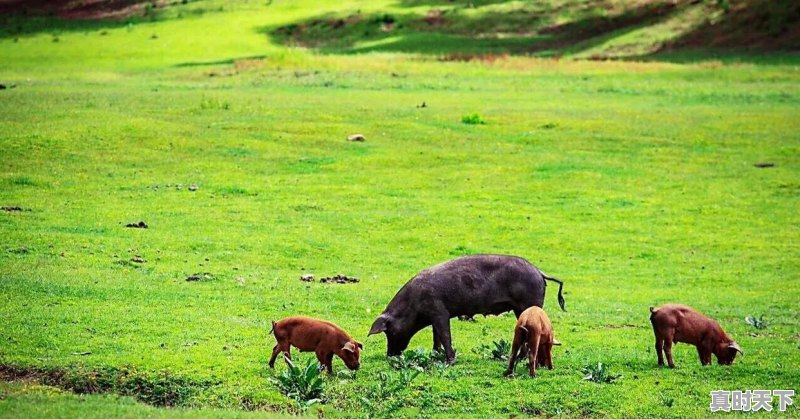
667 400
303 385
757 322
211 103
473 119
599 374
419 359
389 395
500 351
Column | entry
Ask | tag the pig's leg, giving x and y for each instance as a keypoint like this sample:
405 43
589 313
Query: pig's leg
659 348
516 348
275 351
668 351
548 356
326 360
441 327
437 344
705 355
533 354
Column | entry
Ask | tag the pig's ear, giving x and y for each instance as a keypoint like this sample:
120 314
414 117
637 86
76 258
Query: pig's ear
735 346
349 347
360 345
379 326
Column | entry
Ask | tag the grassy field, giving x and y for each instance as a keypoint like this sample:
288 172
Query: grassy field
634 182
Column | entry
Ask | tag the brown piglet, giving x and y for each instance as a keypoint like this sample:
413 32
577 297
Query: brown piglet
680 323
535 331
319 336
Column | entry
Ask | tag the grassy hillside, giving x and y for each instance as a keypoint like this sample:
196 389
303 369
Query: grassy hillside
635 182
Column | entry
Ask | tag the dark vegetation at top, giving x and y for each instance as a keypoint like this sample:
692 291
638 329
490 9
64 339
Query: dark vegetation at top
20 18
462 30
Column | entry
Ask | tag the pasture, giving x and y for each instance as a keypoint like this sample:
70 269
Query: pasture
637 182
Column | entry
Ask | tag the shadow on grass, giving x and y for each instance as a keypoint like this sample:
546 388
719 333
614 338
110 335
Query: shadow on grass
220 62
531 29
541 29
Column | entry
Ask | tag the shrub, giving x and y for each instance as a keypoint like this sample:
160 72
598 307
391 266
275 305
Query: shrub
599 374
303 385
473 119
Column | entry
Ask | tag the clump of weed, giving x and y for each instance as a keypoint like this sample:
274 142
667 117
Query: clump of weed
388 395
303 385
757 322
499 350
213 103
419 359
22 181
473 119
599 374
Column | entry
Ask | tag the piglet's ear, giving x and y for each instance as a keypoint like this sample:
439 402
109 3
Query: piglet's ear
735 346
360 345
349 347
379 325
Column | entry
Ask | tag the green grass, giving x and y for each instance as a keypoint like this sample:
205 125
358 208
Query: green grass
632 181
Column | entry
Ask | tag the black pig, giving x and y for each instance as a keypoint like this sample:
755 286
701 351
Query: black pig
469 285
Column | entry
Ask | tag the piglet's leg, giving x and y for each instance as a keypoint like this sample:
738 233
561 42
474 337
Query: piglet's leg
516 350
668 351
275 351
659 348
705 355
533 355
548 354
326 360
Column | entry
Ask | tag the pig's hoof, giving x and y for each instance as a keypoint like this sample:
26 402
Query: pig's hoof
508 373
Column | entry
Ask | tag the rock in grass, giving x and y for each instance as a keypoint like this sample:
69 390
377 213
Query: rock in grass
356 137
